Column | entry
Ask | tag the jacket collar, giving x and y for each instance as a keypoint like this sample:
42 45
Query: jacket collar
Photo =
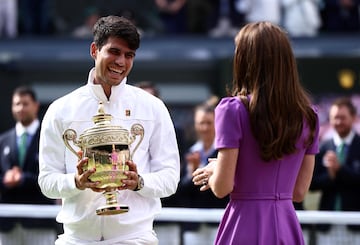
98 92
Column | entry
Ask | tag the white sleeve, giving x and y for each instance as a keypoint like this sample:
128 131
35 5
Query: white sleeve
164 176
53 179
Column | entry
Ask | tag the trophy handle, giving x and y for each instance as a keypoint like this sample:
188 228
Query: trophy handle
136 129
70 135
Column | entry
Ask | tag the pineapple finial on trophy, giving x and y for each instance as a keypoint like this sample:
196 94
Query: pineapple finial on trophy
101 118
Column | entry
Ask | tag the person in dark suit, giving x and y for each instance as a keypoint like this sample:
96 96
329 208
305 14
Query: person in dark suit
337 167
19 168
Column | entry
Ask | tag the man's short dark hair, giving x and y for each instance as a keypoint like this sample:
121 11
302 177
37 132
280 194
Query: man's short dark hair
347 102
115 26
25 90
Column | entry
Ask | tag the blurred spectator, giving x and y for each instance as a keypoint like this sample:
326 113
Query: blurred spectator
8 18
228 20
143 13
260 10
341 15
36 16
337 172
147 17
201 16
149 87
91 15
324 104
197 156
301 18
130 15
173 15
19 169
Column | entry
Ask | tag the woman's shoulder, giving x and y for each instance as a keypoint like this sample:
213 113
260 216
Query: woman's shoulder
231 103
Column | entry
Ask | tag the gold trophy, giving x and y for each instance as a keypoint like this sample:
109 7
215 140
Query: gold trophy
107 148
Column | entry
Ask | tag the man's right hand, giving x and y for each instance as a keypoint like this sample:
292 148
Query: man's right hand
82 180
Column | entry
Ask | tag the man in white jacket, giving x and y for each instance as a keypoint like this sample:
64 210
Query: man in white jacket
154 170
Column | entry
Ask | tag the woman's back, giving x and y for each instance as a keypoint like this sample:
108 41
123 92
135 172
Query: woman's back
261 209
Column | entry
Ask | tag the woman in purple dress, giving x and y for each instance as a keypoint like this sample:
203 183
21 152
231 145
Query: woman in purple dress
267 138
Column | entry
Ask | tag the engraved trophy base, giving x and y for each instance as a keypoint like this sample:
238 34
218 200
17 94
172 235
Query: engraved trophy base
112 209
112 206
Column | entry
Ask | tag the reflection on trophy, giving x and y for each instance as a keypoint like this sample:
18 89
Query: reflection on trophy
107 148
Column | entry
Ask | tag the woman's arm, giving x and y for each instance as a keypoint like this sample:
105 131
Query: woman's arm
218 174
221 181
304 178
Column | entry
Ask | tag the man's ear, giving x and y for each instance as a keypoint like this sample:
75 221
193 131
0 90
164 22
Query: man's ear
93 50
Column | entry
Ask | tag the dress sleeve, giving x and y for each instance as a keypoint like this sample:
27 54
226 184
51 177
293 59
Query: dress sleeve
228 128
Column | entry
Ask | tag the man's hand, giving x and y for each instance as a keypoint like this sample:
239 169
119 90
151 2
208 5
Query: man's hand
82 177
12 177
193 160
131 182
332 164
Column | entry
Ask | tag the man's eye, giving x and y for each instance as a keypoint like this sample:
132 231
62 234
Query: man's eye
130 55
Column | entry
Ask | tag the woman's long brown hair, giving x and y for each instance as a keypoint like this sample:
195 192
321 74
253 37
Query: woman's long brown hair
265 67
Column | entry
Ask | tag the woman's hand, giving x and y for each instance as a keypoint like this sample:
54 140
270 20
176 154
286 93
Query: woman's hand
201 175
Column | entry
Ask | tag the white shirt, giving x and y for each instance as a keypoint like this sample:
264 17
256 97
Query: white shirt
157 160
347 140
30 130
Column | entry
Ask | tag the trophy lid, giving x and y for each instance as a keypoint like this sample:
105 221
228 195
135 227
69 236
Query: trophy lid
101 118
103 132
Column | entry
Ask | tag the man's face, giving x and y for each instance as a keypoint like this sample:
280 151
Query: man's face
113 62
24 109
341 119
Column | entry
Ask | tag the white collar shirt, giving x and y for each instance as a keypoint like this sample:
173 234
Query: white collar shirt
31 129
347 140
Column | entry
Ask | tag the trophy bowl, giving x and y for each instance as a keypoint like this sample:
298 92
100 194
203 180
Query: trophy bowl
107 148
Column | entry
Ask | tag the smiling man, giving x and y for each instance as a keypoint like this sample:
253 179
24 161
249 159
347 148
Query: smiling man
154 168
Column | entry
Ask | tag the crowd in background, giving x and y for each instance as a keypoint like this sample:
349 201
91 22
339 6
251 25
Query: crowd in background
217 18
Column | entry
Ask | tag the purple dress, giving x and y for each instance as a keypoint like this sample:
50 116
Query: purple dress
260 211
